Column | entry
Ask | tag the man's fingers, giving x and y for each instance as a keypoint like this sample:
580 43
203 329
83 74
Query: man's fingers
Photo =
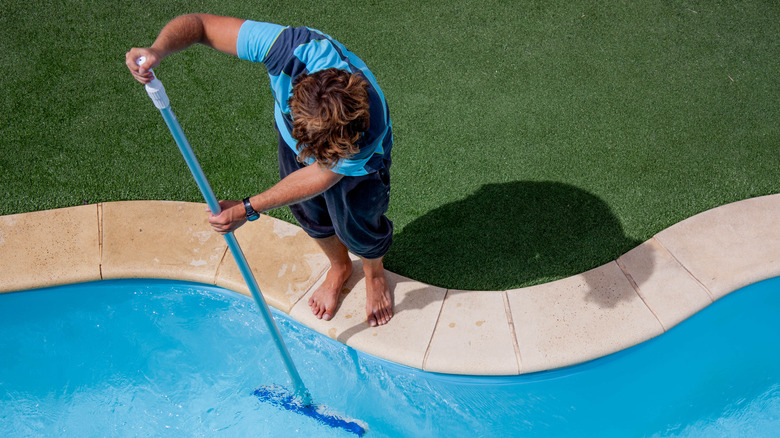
227 220
221 223
142 72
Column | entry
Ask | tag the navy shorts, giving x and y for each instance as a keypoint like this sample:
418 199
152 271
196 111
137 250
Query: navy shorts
353 209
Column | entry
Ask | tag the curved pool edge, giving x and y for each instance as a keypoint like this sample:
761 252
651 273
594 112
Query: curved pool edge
642 294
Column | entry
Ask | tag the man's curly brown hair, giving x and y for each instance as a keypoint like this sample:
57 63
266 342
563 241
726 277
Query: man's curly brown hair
330 113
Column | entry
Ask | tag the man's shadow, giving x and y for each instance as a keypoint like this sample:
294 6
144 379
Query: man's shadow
509 235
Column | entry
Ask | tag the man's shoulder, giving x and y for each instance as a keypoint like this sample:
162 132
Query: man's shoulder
255 40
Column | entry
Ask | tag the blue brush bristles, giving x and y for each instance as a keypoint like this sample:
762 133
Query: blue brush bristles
279 396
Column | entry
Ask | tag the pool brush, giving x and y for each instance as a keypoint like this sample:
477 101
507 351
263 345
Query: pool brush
299 400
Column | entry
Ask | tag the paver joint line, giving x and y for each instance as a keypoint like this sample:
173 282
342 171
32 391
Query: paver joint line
631 281
433 332
685 268
512 332
218 271
100 238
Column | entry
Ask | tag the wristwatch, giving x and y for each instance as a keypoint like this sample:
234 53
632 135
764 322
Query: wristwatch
251 214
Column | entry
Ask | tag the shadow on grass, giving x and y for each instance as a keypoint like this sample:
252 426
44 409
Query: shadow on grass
509 235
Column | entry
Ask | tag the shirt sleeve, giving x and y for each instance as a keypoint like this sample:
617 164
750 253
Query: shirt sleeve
255 40
355 166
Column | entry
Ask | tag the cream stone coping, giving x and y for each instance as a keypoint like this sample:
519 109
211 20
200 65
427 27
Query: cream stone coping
645 292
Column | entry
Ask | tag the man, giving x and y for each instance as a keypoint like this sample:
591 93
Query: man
334 144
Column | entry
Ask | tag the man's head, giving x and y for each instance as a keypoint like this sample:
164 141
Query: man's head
330 113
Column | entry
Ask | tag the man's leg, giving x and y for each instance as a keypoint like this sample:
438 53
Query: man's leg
313 217
325 299
358 208
379 300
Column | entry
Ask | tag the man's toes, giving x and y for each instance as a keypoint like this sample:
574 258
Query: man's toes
379 317
387 315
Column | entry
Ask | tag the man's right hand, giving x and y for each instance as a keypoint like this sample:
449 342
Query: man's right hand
142 73
217 32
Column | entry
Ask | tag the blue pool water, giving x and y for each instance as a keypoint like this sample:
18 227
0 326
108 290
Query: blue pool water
158 358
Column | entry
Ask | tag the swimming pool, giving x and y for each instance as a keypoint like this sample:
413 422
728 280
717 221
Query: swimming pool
131 357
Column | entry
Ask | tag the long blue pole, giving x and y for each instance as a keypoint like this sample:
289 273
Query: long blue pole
157 93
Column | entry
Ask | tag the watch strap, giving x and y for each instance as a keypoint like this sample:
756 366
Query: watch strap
251 213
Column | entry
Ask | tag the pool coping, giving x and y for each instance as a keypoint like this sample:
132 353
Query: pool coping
642 294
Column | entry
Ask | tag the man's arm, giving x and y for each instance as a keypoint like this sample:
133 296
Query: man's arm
299 186
220 33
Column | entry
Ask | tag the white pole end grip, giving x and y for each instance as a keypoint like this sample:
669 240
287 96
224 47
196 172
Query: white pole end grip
155 89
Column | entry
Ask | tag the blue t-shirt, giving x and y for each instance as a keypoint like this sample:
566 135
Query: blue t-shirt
288 52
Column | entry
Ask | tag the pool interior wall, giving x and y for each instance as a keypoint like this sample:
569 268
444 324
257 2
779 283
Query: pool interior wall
137 356
642 294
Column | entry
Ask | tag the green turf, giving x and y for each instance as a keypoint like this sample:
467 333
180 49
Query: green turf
534 140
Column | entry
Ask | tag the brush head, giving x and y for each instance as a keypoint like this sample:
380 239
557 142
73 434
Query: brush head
280 397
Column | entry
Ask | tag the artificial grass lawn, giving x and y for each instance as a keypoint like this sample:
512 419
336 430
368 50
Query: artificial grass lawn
532 141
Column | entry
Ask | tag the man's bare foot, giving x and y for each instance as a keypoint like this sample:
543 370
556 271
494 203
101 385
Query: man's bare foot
379 300
325 300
